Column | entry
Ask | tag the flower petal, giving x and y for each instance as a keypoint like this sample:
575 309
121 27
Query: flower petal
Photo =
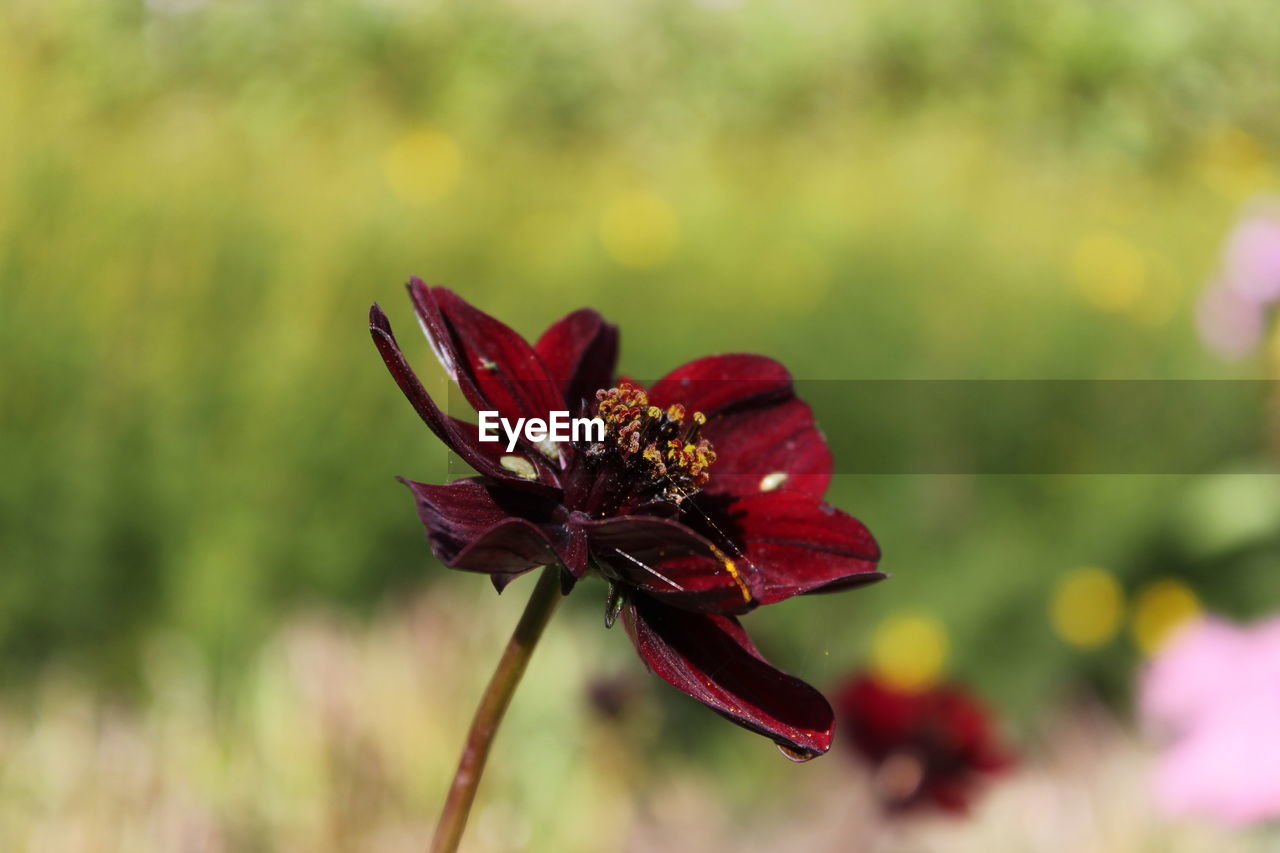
671 562
460 437
521 467
580 352
766 448
710 658
481 526
496 369
717 383
501 580
573 555
792 542
758 427
946 729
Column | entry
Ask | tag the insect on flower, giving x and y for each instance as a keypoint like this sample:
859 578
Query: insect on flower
703 500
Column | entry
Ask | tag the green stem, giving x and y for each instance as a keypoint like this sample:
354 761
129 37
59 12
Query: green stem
493 704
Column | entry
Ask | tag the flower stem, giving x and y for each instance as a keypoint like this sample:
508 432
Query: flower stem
493 704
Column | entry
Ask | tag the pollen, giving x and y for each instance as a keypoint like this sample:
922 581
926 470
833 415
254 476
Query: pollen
732 569
661 445
653 456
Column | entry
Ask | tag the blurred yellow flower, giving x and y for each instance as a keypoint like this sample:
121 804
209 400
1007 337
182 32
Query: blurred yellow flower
909 650
1110 272
424 165
1087 607
639 230
1159 609
1233 163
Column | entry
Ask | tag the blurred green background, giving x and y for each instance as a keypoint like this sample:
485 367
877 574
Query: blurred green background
199 199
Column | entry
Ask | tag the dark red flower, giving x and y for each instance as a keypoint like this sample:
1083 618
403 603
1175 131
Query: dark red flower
929 747
703 501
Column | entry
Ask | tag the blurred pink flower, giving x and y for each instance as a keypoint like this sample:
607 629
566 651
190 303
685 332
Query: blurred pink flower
1214 694
1230 326
1252 260
1232 311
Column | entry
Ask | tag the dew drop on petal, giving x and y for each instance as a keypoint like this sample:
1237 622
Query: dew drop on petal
519 466
550 449
769 482
794 754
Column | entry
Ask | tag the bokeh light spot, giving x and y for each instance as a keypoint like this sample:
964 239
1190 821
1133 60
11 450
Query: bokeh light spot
1159 610
1233 163
909 650
1110 272
424 166
1087 607
639 230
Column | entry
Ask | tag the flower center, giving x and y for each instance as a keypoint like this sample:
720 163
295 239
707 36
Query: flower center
653 444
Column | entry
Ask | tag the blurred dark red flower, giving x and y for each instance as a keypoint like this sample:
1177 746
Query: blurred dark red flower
703 501
932 747
610 696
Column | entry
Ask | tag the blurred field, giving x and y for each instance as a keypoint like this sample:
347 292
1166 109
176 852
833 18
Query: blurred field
326 750
199 199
